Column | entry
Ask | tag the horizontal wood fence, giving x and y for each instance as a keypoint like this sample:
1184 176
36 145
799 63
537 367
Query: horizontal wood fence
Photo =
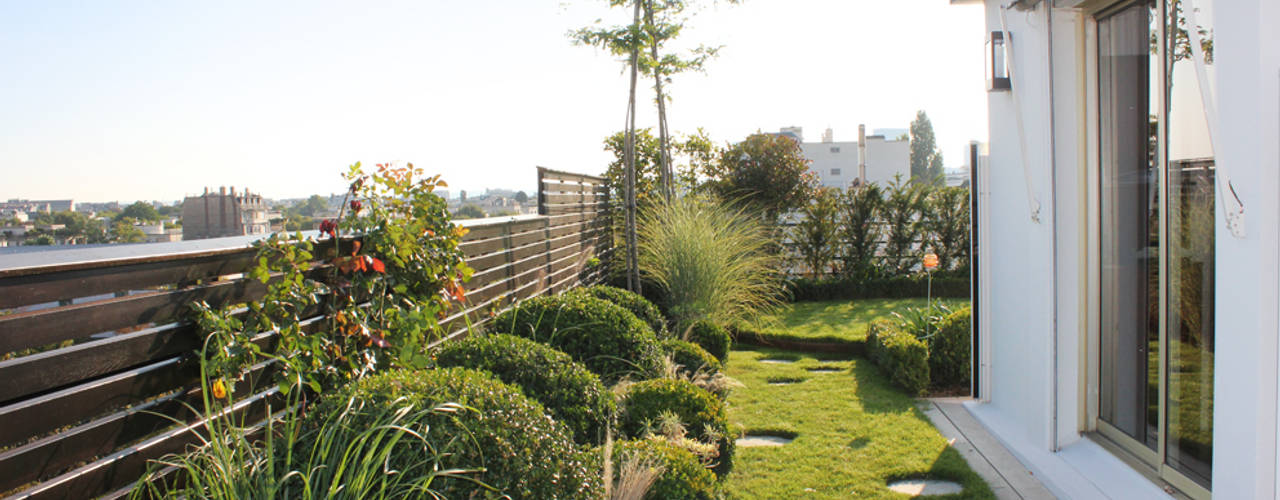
99 356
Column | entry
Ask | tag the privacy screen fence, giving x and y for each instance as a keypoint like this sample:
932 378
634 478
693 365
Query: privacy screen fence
99 355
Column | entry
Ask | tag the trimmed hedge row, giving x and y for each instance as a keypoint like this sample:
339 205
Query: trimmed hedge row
631 301
949 355
683 476
608 339
525 453
571 393
903 357
702 414
945 285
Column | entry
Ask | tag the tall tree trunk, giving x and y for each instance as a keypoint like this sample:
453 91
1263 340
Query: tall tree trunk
633 270
667 175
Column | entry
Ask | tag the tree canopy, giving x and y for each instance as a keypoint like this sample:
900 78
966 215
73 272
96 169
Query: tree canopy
926 159
766 171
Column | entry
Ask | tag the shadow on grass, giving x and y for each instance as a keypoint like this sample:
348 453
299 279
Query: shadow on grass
950 466
878 394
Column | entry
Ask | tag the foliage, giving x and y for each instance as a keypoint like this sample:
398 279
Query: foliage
521 197
631 301
123 231
711 261
900 355
384 295
468 211
690 357
140 211
683 476
949 356
857 230
926 160
815 235
607 339
921 321
77 228
767 172
696 409
949 284
524 452
573 395
710 336
901 209
945 223
314 206
341 459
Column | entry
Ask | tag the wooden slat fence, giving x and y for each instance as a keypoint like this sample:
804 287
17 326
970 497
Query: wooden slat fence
98 356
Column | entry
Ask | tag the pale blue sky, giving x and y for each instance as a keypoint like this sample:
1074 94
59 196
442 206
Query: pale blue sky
126 100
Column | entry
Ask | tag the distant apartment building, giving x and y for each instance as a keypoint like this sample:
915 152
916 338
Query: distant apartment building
33 206
215 215
837 164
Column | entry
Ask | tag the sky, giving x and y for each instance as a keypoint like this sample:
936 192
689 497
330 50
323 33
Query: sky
154 100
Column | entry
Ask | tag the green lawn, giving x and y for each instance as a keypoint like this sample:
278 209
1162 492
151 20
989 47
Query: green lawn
855 432
837 320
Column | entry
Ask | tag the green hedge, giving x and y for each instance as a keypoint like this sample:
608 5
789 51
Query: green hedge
690 356
683 476
525 452
900 355
949 350
608 339
697 409
570 392
631 301
712 337
945 285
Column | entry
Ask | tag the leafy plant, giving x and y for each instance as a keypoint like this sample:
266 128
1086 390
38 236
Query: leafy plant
922 322
607 339
900 355
858 231
946 225
631 301
695 408
814 236
712 337
711 261
571 394
902 213
690 357
767 172
682 477
949 356
523 451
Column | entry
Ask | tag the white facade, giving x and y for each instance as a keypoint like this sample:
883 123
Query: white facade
1047 211
836 163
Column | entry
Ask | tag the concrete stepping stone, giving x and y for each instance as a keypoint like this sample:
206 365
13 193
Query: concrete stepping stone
926 487
825 370
751 441
784 380
778 361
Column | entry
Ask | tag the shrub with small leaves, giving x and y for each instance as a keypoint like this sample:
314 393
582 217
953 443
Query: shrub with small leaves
631 301
712 337
900 355
683 476
690 356
570 392
607 339
949 350
698 410
525 453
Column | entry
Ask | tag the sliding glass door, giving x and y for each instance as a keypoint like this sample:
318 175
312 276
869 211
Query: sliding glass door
1156 203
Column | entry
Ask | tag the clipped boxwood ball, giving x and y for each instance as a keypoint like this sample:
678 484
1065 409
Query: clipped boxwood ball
607 339
690 356
683 476
525 452
696 408
631 301
571 393
712 337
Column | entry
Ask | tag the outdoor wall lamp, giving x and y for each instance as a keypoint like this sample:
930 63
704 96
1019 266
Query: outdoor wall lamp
997 67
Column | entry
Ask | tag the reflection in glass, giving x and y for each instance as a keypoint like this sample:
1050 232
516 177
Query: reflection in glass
1189 407
1130 347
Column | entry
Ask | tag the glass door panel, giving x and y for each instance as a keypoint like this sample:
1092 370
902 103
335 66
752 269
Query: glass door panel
1189 407
1130 200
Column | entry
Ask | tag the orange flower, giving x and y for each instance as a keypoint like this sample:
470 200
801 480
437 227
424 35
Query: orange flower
219 389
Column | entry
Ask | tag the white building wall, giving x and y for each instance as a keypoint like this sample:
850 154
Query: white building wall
836 163
1030 299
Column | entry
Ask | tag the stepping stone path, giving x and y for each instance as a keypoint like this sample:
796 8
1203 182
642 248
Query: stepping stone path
926 487
749 441
778 361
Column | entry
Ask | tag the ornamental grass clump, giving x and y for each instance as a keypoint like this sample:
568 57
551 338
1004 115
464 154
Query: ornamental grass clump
712 261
